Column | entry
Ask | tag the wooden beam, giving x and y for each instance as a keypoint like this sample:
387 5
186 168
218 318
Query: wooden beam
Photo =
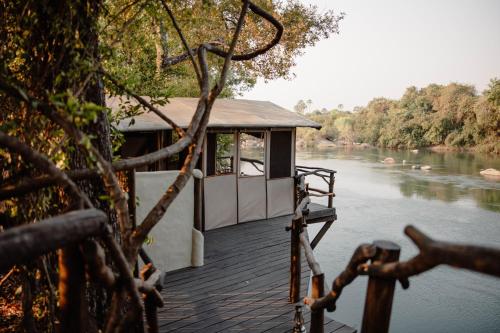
321 233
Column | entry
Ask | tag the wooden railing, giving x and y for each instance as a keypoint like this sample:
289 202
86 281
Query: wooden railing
379 260
300 237
74 232
327 175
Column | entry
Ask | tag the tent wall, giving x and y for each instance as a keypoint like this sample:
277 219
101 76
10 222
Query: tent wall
220 201
251 199
279 197
172 238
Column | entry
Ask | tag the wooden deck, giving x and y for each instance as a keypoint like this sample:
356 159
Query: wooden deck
243 286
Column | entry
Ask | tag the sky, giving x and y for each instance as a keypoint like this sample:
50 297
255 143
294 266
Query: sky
386 46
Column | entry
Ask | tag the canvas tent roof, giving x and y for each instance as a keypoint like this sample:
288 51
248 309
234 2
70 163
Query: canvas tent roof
226 113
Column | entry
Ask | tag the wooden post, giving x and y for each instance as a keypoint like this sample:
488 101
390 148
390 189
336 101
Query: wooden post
198 204
318 317
295 264
380 292
72 302
331 183
151 314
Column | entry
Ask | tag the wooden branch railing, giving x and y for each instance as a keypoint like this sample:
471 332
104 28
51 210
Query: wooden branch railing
74 232
327 175
300 237
379 261
21 244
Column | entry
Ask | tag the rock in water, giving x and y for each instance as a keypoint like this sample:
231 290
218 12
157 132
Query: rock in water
416 167
490 172
426 167
388 160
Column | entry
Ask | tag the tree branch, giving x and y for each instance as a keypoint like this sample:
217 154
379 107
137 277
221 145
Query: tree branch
361 255
211 47
434 253
184 42
43 163
144 103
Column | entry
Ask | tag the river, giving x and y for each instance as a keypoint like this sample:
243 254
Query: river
450 202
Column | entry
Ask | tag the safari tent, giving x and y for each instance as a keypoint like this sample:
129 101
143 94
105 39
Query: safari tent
247 161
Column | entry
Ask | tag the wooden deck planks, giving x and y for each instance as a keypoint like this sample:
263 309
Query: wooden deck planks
243 286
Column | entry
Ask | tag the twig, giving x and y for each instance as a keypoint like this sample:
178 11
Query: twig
6 276
52 293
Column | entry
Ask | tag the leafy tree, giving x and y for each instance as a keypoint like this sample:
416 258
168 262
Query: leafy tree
452 115
139 57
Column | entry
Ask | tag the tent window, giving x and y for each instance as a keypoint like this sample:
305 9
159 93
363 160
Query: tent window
220 153
252 152
281 154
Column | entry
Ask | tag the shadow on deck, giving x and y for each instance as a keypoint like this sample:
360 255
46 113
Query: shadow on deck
243 286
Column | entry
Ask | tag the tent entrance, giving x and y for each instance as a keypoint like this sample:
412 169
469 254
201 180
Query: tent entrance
249 175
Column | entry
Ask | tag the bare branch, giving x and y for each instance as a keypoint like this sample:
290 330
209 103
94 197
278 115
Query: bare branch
43 163
311 260
227 61
211 47
362 254
144 103
184 42
434 253
23 243
125 271
95 260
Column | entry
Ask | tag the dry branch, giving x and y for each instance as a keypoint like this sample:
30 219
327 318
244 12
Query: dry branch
95 260
43 163
144 103
21 244
211 47
362 254
434 253
311 260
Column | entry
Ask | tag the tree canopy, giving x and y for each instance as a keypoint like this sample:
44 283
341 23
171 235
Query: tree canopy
139 55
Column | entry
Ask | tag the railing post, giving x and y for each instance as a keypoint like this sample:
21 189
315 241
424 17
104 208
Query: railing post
318 317
198 200
295 263
331 183
380 292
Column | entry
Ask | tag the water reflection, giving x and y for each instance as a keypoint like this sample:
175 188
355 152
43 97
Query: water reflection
410 187
454 176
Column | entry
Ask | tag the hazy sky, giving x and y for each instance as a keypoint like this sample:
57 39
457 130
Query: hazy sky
385 46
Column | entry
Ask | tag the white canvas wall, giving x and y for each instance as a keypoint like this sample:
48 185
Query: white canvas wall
279 197
220 201
251 198
172 237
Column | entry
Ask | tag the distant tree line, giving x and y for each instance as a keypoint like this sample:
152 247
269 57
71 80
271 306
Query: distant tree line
452 115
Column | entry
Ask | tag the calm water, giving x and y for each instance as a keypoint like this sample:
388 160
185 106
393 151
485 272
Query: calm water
451 202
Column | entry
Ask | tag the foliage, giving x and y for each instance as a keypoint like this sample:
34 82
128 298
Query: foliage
453 115
137 56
